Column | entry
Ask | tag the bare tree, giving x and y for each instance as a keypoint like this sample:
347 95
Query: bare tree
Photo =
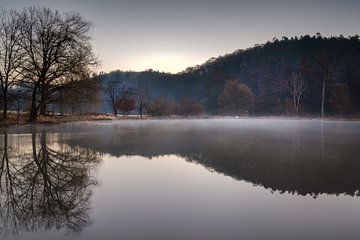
113 89
80 96
10 54
142 95
58 51
296 86
330 69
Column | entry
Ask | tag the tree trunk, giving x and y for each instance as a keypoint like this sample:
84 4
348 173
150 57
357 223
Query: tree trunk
295 105
42 108
18 112
323 98
141 111
115 111
43 102
114 107
33 110
298 105
5 105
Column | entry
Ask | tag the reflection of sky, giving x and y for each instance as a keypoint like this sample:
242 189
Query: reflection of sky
22 143
171 35
169 198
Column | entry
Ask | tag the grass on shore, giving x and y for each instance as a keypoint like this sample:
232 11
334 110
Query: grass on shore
22 118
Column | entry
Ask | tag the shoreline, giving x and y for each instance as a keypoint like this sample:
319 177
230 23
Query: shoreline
52 120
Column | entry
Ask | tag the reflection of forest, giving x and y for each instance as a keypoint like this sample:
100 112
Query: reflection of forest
298 160
44 185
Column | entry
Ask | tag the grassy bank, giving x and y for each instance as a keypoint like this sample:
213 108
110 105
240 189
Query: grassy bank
22 118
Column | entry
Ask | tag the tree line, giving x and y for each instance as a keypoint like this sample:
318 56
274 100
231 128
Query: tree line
307 76
44 55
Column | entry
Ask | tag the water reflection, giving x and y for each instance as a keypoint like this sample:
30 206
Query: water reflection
298 157
47 179
44 185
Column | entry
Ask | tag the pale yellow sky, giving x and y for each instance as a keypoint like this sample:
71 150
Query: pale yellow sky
171 35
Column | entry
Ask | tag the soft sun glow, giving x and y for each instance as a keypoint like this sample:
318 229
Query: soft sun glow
165 63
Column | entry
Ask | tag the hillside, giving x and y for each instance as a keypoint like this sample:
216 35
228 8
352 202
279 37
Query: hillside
267 70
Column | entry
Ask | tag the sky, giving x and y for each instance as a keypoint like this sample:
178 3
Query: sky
169 35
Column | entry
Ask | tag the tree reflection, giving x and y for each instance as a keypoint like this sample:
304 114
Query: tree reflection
46 187
294 157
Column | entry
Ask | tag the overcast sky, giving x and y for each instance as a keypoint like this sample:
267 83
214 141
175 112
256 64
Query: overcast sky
169 35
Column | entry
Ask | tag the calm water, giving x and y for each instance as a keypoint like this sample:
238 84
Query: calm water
181 179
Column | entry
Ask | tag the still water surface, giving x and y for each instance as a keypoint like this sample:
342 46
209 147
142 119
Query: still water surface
181 179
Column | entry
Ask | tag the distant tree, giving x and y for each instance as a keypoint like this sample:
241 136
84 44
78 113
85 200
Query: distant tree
114 90
236 98
79 96
58 51
268 84
161 107
142 95
125 105
296 86
330 70
340 99
190 107
90 94
213 85
11 55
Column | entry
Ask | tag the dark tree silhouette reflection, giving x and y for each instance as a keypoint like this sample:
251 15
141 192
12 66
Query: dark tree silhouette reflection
44 187
297 157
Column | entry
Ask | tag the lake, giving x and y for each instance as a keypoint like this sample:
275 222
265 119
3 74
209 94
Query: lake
181 179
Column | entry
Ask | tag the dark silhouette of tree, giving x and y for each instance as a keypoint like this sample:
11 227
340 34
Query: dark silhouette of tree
58 51
11 55
142 95
330 70
114 90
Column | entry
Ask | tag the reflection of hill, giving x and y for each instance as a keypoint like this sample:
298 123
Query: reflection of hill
44 185
297 159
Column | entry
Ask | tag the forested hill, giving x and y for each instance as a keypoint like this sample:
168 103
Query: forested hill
272 71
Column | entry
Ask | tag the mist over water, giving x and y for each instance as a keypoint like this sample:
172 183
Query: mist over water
181 179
